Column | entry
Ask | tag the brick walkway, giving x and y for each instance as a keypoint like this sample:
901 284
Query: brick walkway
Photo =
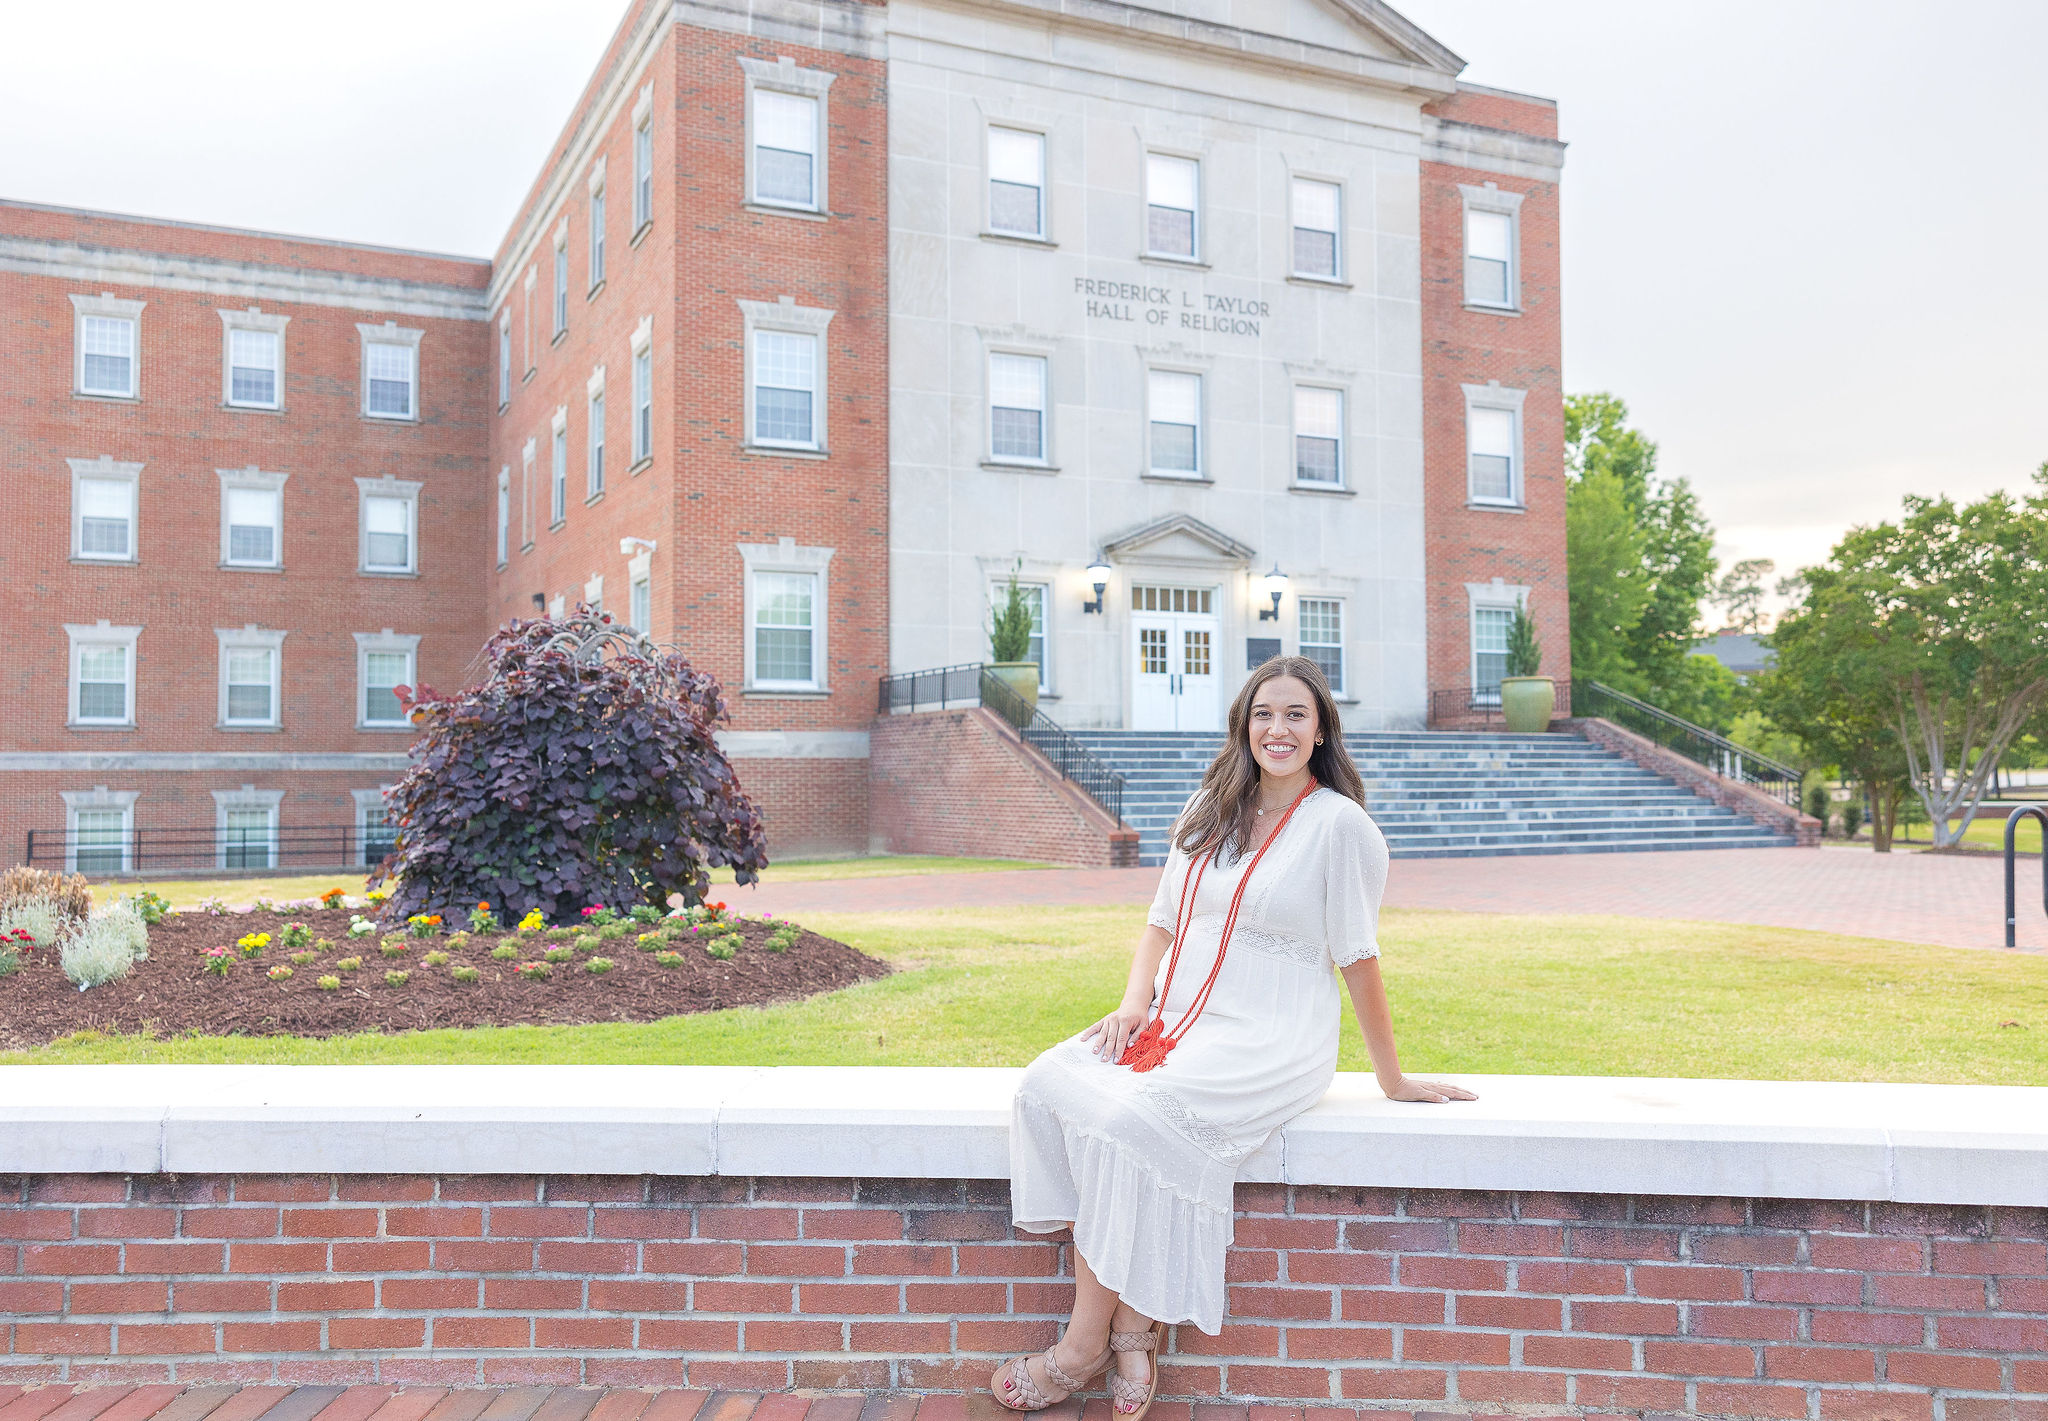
1944 899
256 1402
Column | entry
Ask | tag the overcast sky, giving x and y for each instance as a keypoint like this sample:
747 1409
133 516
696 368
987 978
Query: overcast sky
1804 239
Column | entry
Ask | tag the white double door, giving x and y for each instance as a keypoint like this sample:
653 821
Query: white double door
1176 687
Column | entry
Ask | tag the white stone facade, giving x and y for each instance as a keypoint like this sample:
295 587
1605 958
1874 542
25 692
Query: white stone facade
1257 95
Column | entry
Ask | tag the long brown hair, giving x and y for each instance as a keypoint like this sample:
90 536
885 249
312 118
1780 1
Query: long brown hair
1225 808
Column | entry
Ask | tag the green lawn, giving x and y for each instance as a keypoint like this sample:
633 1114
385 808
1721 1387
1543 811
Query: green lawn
190 892
1471 992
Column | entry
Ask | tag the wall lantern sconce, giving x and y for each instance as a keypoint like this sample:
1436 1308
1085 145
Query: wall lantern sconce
629 547
540 601
1098 573
1276 588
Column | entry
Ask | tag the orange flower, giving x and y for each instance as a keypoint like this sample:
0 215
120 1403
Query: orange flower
485 906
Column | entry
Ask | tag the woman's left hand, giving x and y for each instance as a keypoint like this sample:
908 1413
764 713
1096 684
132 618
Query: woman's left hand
1426 1092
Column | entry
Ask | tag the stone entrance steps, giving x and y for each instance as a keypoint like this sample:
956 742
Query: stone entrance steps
1457 794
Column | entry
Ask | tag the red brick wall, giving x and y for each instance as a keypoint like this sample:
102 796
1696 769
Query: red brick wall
1744 799
1441 1301
811 808
1462 346
963 782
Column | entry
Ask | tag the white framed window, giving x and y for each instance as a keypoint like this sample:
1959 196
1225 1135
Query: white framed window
245 827
1034 595
558 471
529 455
1318 436
786 134
105 499
251 676
597 225
1173 188
99 830
106 333
252 359
594 455
504 514
1493 240
785 375
504 361
390 526
1319 627
785 611
1317 211
643 390
390 371
1493 445
1174 409
643 161
384 661
526 323
1016 182
376 832
593 594
251 518
1017 404
640 603
1489 651
102 674
562 278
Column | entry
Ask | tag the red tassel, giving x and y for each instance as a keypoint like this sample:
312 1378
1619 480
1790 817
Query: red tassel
1147 1049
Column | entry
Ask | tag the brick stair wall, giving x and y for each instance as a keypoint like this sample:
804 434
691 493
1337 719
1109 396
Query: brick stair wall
1445 1301
1746 800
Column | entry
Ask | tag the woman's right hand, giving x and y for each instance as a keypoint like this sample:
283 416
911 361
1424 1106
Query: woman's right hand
1114 1032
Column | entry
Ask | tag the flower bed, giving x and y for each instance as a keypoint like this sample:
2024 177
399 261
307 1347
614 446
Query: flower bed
216 974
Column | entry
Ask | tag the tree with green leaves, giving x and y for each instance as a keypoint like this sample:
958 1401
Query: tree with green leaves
1009 633
1525 655
1740 594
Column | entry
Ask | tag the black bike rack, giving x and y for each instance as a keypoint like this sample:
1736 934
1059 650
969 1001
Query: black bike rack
2012 825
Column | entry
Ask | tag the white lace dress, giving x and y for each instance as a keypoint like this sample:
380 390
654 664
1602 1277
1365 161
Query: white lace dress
1143 1164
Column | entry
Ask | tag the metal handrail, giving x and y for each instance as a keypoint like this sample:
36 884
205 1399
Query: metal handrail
2012 825
155 848
1698 744
973 684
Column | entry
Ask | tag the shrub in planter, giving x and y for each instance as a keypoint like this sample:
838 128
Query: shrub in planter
504 952
328 983
96 954
582 770
464 974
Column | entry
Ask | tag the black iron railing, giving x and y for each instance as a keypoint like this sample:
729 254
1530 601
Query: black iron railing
156 850
1698 744
1469 706
973 684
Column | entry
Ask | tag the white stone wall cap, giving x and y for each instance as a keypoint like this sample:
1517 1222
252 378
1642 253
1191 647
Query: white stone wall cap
1617 1135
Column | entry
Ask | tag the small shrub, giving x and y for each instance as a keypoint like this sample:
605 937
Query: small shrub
598 966
482 919
12 944
329 983
668 959
650 942
321 944
394 947
780 940
300 959
37 917
279 973
348 964
1852 817
458 939
332 898
721 948
397 979
152 908
464 974
587 943
558 954
532 971
423 924
217 960
293 936
121 919
263 905
504 952
97 954
252 944
598 915
645 913
612 932
434 959
213 907
67 895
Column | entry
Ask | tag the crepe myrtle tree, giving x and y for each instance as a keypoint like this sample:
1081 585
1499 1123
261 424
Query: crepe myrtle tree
582 770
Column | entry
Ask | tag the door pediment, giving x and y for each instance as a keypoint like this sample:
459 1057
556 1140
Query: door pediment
1180 538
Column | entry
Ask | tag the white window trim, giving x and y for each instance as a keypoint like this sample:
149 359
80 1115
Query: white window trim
1497 596
558 297
247 797
988 181
1492 199
639 574
786 315
529 456
1495 396
242 639
593 591
369 801
386 640
1341 277
527 286
785 555
99 797
504 360
998 589
643 344
558 468
593 435
1343 642
1200 255
390 333
988 409
1200 473
387 487
101 633
1343 393
785 75
643 122
252 320
252 477
105 304
597 255
105 467
504 514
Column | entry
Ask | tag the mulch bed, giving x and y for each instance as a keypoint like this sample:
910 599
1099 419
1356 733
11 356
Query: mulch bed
170 994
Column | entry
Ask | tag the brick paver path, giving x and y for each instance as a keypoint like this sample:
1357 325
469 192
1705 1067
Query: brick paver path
1945 899
257 1402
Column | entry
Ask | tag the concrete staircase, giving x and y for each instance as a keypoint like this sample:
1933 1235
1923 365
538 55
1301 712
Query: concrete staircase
1450 794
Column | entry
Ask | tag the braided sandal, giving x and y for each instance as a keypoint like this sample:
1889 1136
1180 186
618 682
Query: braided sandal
1124 1392
1012 1385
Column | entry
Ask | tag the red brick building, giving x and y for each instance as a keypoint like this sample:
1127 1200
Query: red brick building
259 480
